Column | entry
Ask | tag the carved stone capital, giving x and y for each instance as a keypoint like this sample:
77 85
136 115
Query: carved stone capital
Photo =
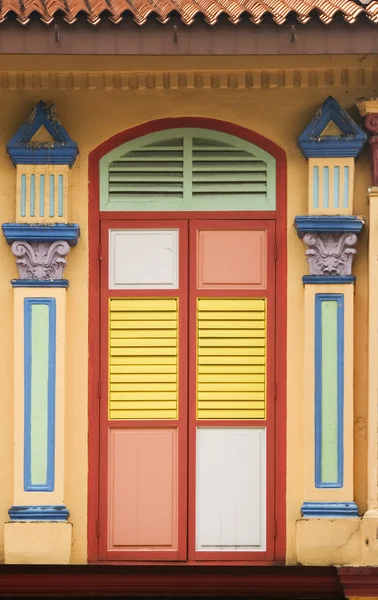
330 254
41 260
371 124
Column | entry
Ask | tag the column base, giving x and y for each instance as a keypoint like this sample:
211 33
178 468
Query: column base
369 530
37 543
323 542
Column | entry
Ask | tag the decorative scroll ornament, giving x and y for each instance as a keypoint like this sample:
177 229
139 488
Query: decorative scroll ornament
330 254
371 124
41 260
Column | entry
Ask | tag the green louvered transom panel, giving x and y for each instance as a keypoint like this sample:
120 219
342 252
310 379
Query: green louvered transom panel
149 172
187 170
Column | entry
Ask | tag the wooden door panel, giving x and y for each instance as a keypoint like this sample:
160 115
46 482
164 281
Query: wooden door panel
231 497
224 263
143 489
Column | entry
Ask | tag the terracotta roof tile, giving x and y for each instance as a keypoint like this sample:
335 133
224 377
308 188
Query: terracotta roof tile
210 10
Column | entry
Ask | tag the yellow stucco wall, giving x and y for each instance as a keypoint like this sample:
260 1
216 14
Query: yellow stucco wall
91 117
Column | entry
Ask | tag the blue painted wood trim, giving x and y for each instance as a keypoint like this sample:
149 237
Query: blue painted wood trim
42 283
331 148
329 509
60 155
39 513
327 279
328 224
50 474
319 298
15 232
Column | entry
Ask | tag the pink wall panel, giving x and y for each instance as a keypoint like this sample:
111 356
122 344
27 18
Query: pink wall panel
231 259
143 489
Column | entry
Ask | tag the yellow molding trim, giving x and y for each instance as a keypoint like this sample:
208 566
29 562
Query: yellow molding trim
189 79
367 106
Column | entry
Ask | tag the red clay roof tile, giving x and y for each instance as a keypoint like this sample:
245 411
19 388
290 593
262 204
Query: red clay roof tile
188 10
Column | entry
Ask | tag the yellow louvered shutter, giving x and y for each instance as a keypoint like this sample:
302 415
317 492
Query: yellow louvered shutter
231 360
143 358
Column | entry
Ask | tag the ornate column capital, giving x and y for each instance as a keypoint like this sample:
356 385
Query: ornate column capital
371 124
368 108
330 254
330 242
40 260
41 252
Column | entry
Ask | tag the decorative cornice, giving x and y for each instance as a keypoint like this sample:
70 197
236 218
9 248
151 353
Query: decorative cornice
327 279
14 232
330 241
330 254
328 224
38 513
104 81
329 510
40 283
40 260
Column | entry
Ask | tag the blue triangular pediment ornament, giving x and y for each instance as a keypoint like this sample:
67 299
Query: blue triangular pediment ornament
315 143
61 150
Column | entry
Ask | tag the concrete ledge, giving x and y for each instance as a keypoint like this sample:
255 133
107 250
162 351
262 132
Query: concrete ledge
369 532
37 543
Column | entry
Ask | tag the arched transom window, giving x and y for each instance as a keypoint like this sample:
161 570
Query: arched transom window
187 169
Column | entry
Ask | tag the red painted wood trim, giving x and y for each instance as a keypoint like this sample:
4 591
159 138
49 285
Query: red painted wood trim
105 580
93 357
94 302
281 357
181 122
359 581
164 215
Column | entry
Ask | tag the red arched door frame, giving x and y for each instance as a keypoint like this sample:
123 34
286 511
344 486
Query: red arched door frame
94 220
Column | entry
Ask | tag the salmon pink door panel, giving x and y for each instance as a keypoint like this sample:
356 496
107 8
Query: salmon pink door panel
187 362
224 259
143 484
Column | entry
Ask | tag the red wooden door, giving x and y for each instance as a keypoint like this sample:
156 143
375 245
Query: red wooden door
173 305
231 383
143 437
